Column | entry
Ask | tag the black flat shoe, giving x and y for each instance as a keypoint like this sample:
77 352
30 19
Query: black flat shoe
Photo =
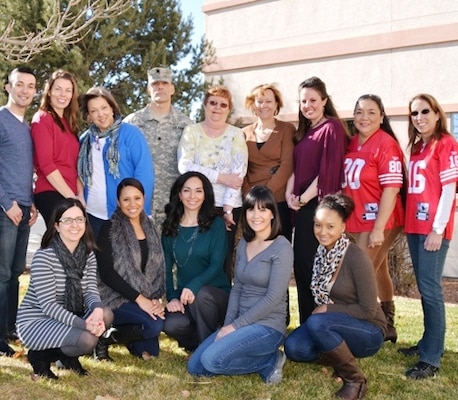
421 370
6 350
73 364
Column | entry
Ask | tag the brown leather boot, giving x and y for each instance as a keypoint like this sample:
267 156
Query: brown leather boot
388 310
345 365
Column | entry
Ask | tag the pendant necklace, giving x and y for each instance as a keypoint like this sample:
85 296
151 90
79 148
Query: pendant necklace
191 240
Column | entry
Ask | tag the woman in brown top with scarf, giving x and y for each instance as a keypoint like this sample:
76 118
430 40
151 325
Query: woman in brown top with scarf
347 321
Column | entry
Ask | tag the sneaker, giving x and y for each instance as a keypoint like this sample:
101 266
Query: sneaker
421 370
276 376
410 351
6 350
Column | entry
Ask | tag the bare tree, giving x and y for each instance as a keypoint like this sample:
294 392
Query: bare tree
67 25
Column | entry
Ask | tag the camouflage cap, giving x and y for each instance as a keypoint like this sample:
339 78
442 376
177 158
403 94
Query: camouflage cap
159 74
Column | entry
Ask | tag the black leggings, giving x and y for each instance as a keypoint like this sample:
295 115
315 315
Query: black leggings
46 202
305 245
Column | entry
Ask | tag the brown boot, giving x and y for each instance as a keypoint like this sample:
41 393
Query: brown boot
388 310
345 365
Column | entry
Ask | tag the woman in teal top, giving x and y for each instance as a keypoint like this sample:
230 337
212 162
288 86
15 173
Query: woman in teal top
195 247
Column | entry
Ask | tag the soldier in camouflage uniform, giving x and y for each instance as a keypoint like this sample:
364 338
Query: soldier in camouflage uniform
162 126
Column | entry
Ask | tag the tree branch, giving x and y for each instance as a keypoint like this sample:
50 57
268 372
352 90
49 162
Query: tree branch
65 27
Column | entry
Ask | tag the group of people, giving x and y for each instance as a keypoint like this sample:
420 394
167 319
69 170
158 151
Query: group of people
125 229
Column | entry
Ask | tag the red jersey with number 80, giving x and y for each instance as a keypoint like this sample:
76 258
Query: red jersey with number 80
369 168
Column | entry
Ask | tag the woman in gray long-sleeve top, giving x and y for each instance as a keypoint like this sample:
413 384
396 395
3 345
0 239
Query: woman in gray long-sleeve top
61 316
255 322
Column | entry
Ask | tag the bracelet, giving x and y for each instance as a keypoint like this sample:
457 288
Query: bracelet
227 212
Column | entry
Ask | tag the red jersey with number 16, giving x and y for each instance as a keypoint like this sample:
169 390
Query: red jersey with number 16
369 168
431 166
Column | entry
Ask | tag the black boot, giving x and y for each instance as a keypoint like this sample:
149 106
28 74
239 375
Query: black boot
122 334
345 365
41 361
72 363
388 310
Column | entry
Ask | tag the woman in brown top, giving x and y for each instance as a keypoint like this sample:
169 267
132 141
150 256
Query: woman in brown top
347 321
270 149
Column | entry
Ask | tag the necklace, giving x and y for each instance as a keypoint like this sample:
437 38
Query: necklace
190 240
318 122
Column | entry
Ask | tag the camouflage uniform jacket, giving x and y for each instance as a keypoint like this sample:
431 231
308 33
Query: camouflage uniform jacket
163 137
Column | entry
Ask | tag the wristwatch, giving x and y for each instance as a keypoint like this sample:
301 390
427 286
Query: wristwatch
302 203
438 231
227 212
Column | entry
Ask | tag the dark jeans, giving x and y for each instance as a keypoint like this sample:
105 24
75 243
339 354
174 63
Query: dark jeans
13 250
428 267
96 224
200 320
323 332
305 245
131 314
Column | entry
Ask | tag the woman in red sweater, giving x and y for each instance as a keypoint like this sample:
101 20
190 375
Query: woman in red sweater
54 134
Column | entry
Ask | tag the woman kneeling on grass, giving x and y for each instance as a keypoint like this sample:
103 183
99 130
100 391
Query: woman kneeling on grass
61 316
347 321
255 322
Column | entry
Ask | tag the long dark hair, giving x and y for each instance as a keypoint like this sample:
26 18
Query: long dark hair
71 112
329 109
51 231
175 210
263 197
386 126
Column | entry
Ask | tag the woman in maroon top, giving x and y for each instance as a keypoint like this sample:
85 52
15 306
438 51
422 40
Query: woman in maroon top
54 134
270 149
321 139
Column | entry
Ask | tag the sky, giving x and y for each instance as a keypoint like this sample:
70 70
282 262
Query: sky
194 8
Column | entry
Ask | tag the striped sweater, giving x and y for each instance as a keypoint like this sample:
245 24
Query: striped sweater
42 320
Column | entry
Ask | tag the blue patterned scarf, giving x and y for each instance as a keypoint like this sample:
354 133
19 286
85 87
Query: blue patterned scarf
93 134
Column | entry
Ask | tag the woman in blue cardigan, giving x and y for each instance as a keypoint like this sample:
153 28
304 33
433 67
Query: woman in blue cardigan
111 150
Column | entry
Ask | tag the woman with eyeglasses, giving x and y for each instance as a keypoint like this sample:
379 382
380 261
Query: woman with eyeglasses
270 149
430 211
62 316
111 150
374 177
131 270
219 151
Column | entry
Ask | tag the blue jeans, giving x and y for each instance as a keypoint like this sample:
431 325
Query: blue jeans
252 348
323 332
131 314
13 251
428 267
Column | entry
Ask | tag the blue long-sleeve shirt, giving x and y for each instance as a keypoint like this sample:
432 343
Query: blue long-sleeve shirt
16 161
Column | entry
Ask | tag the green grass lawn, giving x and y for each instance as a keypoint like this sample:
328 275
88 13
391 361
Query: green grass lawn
166 378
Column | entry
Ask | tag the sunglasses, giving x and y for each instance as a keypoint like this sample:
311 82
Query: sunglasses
424 112
214 103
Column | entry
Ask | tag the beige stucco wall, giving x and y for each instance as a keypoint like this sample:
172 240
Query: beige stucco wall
389 47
